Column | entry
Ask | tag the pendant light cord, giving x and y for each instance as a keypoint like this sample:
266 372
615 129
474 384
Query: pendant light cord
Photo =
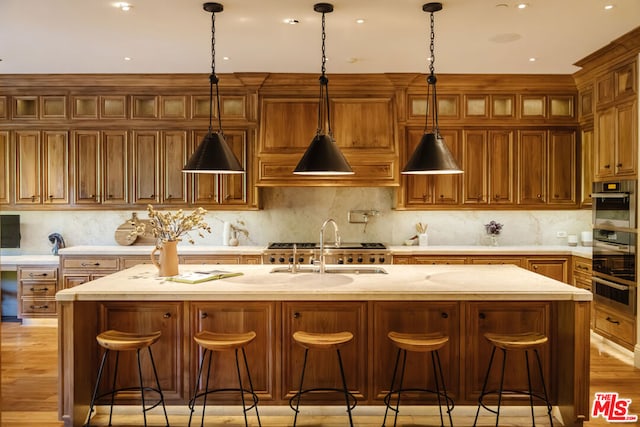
213 78
324 89
431 81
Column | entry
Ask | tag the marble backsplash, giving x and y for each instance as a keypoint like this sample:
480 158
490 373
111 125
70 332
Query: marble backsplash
296 214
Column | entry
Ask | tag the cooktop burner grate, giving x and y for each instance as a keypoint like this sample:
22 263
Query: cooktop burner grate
310 245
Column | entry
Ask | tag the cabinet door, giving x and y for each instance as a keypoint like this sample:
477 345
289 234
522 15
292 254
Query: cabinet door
259 317
446 188
322 366
419 188
415 318
56 167
532 170
28 167
147 317
562 167
605 143
483 317
174 157
626 154
555 268
205 185
5 169
288 124
501 167
86 149
363 123
114 167
475 166
146 157
586 167
233 187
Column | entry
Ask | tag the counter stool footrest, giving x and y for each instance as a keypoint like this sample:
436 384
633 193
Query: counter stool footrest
538 396
387 397
254 396
352 397
134 388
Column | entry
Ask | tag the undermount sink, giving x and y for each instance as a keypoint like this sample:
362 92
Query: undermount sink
335 270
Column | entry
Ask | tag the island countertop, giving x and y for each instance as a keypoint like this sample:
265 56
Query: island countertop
403 282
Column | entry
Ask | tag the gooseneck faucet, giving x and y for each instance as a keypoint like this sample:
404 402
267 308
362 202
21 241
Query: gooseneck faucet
336 239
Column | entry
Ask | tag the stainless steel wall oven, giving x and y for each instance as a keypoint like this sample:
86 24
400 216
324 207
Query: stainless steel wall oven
614 204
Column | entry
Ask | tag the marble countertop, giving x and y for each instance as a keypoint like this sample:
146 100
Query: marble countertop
11 262
403 282
185 249
583 251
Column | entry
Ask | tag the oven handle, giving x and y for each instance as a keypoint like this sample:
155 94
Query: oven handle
610 195
610 284
613 246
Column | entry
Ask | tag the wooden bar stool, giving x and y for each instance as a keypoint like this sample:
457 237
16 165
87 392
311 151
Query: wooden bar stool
118 341
523 341
321 341
218 342
421 343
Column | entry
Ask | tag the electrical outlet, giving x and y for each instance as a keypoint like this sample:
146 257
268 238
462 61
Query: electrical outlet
561 234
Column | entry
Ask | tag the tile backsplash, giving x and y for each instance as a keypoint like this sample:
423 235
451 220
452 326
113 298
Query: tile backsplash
296 214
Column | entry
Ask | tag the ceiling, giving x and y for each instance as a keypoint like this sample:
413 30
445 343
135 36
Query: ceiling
174 36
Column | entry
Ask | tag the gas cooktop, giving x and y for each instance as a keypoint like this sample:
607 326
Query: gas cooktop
311 245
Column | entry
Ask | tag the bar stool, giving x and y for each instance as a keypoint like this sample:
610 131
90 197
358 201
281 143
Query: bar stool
118 341
422 343
322 341
523 341
218 342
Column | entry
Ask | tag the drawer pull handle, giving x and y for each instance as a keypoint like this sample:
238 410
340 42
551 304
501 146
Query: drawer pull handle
444 315
38 275
615 322
39 307
582 267
482 316
39 289
296 315
88 264
204 315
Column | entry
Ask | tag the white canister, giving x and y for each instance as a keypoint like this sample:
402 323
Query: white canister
572 240
587 238
226 233
423 239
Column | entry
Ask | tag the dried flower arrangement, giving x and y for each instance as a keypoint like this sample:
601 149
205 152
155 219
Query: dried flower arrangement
493 228
167 226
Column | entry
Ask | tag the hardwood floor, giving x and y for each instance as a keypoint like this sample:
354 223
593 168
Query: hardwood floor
29 389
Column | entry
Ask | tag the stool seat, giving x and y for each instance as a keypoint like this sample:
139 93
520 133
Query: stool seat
418 342
522 341
126 341
320 341
216 341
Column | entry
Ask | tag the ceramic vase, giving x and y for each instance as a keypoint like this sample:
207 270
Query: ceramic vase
167 262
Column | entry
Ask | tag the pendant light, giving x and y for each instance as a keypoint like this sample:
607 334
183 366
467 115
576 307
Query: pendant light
432 156
213 155
323 157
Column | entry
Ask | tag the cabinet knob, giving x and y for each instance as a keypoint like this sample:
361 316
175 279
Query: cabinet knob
482 316
444 315
50 196
619 165
204 315
169 197
607 166
539 196
296 315
442 196
33 198
227 197
167 315
496 197
535 267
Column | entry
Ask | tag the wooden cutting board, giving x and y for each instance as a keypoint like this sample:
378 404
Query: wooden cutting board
123 233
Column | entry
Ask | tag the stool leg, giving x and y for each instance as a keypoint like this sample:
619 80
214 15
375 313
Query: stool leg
244 406
484 385
144 412
155 374
435 377
246 366
444 388
304 365
393 381
344 385
544 387
526 358
95 389
402 370
192 402
504 362
206 387
113 386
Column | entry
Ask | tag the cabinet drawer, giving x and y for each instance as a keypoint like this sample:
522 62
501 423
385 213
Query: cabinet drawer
133 261
38 289
38 306
614 326
92 264
582 266
38 274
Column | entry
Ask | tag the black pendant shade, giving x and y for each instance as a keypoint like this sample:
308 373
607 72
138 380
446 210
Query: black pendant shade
323 157
431 156
213 155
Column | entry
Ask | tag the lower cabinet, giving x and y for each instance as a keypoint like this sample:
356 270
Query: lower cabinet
616 326
322 366
553 267
146 317
37 287
237 317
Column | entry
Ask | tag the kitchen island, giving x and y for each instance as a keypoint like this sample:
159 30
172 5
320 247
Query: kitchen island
462 301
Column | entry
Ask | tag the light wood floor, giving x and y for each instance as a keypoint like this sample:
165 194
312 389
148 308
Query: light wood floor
29 389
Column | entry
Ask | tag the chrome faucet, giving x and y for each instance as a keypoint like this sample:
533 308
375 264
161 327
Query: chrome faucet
294 265
336 239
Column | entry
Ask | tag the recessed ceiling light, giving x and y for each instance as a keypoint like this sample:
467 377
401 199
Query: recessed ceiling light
523 5
226 58
291 21
360 21
609 7
532 59
124 6
126 58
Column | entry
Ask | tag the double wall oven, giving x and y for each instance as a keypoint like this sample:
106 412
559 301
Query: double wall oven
614 245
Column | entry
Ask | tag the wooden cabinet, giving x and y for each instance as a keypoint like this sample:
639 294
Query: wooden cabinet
581 278
532 167
77 270
221 259
432 190
428 259
145 159
512 317
586 166
6 172
147 317
553 267
238 317
496 260
417 318
42 173
101 167
562 170
322 366
37 287
616 145
488 164
173 155
614 325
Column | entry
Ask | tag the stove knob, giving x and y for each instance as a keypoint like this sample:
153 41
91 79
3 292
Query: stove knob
281 260
272 259
381 259
290 260
340 261
372 260
360 258
350 259
301 260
